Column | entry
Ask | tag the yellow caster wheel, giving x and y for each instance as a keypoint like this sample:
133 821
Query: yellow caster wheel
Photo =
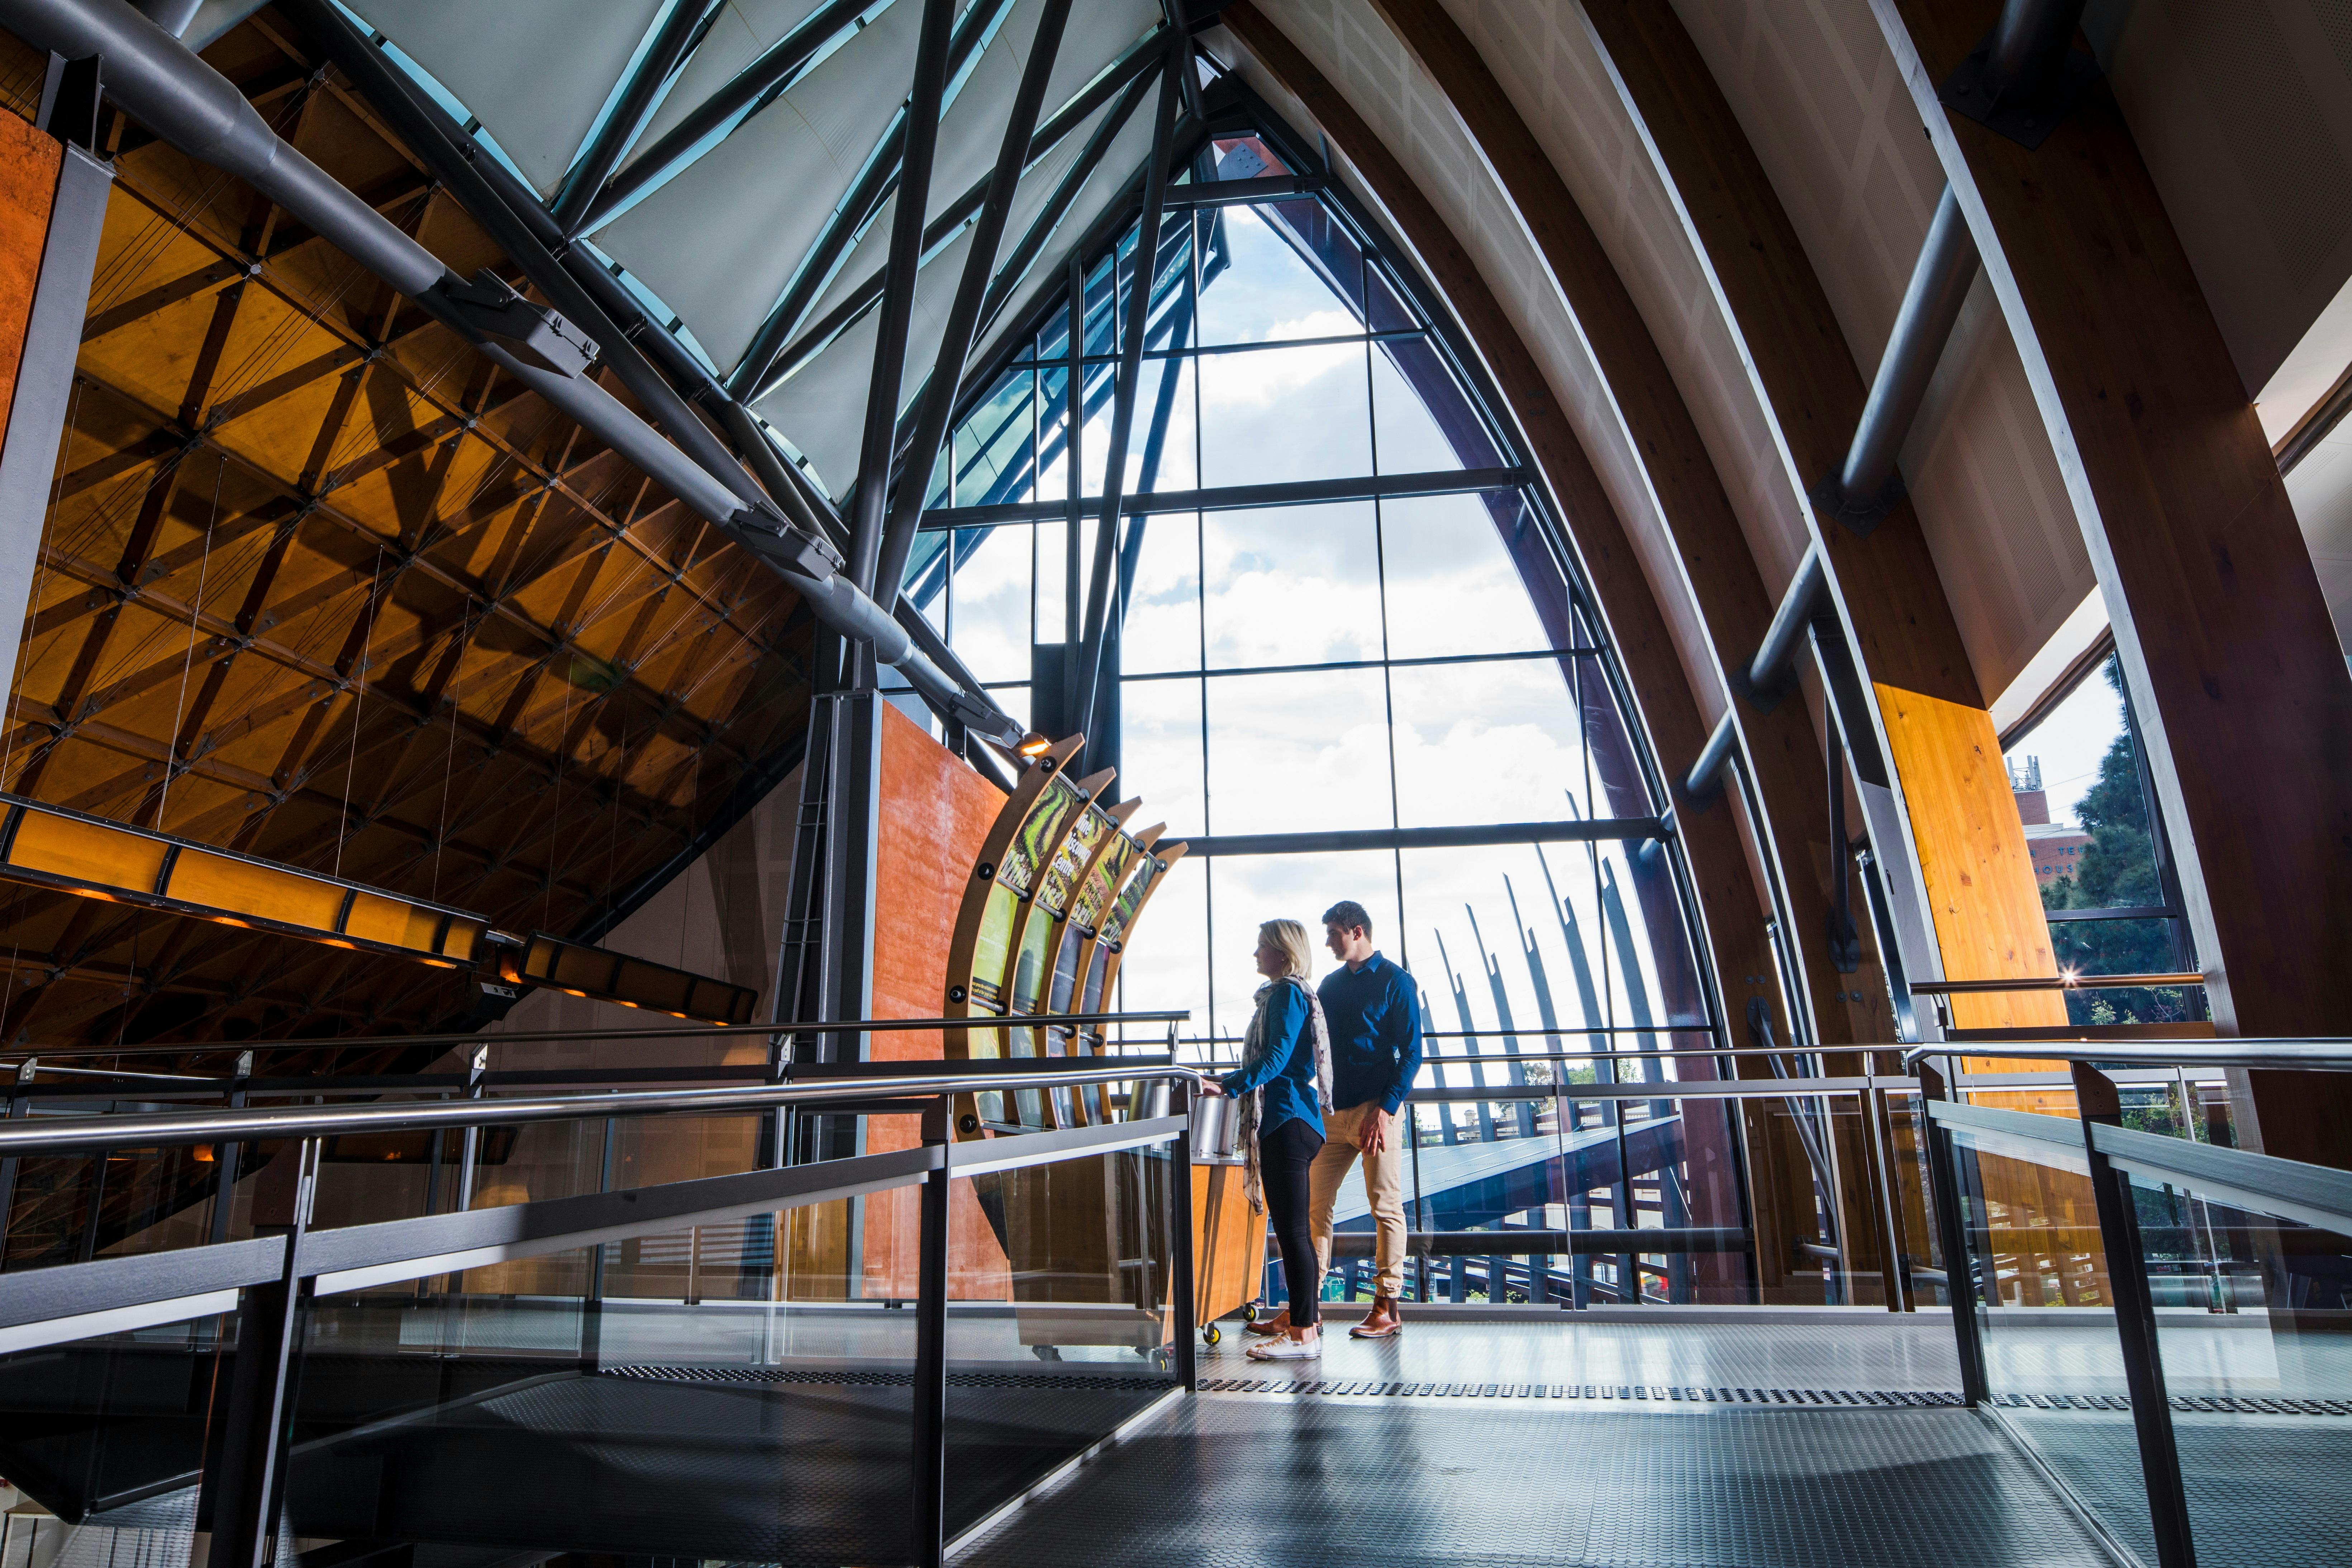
1212 1335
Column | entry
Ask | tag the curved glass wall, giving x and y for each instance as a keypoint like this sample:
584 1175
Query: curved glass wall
1345 612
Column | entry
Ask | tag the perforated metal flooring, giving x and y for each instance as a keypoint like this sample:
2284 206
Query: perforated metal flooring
1225 1482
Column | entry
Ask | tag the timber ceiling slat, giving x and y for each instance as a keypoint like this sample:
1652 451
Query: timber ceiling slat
322 585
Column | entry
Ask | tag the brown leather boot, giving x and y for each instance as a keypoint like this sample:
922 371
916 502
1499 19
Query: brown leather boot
1382 1322
1277 1324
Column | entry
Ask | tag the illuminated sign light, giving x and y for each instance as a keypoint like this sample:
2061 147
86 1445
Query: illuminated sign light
579 970
92 857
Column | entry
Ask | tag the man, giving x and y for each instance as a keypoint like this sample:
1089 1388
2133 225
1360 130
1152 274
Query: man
1374 1017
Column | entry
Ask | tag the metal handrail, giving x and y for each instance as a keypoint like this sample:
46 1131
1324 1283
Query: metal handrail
2292 1055
2052 982
684 1031
139 1130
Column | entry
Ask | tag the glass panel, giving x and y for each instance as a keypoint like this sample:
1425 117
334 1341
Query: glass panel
1247 890
1159 734
1053 433
1485 742
1404 433
1053 561
994 457
69 1208
109 1432
2250 1316
992 600
787 1375
1291 586
1163 443
1389 312
1271 416
1451 586
1058 1317
2122 947
1165 965
2048 1322
1163 608
1275 288
1297 753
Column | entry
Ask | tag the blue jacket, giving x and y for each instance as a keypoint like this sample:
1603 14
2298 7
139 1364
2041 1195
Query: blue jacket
1375 1023
1288 1071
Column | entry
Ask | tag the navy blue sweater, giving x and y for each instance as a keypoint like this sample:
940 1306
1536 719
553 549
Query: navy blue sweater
1288 1071
1375 1023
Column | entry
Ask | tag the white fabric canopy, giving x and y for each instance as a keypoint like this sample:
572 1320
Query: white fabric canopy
535 72
721 240
741 32
822 409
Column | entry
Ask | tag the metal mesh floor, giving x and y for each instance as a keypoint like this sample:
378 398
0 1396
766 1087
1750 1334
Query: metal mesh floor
1229 1482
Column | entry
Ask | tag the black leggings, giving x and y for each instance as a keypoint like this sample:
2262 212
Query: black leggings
1283 1157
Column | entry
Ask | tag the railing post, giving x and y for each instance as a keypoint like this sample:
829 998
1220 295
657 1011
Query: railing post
244 1485
19 1104
2160 1458
228 1157
1959 1270
469 1147
931 1423
1179 1177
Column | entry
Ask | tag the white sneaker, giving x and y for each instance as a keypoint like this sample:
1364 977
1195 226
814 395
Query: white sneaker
1288 1349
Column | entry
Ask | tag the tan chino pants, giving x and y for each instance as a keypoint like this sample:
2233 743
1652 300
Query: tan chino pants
1383 1182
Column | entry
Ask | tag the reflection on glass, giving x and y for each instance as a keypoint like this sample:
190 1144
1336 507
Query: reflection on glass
2250 1314
1059 1316
2047 1321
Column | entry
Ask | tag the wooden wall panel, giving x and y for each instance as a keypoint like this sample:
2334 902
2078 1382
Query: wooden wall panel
1890 598
936 813
1980 877
28 183
2225 637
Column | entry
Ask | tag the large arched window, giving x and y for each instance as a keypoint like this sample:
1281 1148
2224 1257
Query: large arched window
1349 627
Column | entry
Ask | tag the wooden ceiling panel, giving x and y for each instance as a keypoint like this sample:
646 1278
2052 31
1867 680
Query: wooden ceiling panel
322 585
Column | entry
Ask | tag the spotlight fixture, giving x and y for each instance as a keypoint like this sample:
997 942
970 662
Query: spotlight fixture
1033 744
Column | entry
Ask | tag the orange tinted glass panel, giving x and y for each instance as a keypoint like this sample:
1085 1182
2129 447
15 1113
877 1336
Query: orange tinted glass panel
65 847
395 922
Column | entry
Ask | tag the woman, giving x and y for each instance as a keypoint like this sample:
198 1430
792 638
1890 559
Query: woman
1286 1077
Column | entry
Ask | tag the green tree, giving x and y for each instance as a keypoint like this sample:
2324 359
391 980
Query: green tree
2117 869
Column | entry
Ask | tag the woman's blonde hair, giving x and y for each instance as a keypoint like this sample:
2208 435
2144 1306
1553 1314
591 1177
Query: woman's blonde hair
1289 939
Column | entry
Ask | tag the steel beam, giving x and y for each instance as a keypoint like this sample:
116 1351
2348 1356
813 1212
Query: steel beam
1863 489
812 343
1804 601
771 71
37 413
1604 830
158 81
686 26
1102 584
905 503
1721 746
873 186
921 130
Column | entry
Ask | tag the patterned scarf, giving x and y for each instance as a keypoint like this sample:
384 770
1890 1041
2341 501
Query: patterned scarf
1254 1047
